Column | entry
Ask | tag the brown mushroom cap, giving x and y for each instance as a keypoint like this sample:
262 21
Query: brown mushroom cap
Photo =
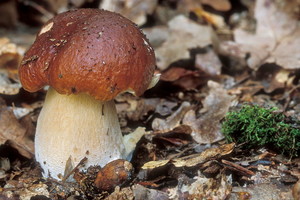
89 51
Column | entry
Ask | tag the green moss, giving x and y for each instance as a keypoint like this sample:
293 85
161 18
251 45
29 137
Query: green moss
255 126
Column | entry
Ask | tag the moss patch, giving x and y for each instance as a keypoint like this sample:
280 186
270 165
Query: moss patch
256 126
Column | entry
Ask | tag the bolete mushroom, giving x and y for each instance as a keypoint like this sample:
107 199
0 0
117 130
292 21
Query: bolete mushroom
87 57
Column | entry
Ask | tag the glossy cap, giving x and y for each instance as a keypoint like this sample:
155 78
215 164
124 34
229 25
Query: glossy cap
91 51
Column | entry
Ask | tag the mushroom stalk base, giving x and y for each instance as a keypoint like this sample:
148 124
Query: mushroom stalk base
73 127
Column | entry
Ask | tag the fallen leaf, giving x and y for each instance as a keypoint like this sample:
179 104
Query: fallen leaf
195 7
55 6
9 54
13 132
21 112
296 190
263 191
135 10
185 35
78 3
184 78
33 190
172 121
208 188
276 39
206 128
4 167
274 77
124 193
213 19
8 14
156 35
130 140
221 5
155 164
165 107
194 159
176 73
137 109
209 62
7 87
141 192
174 141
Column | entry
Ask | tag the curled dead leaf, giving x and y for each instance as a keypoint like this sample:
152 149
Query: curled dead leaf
221 5
184 36
209 188
135 10
206 128
13 132
275 41
208 62
173 120
195 159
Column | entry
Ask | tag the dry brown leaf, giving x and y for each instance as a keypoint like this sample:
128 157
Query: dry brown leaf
9 61
209 62
194 159
8 14
173 120
185 35
176 73
140 192
206 128
156 35
55 6
276 39
263 191
221 5
122 194
14 133
78 3
274 77
213 19
33 190
137 109
9 55
6 85
296 190
186 79
208 188
135 10
21 112
4 167
130 140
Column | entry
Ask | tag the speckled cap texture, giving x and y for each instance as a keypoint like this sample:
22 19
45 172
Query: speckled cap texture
91 51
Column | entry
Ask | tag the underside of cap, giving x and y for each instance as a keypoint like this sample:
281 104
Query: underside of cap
89 51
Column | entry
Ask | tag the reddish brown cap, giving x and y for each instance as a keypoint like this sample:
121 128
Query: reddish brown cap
89 51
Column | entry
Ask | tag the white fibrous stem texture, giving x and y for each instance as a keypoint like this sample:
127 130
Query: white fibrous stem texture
72 127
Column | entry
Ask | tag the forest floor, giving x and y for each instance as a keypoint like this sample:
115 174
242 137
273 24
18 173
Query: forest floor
214 57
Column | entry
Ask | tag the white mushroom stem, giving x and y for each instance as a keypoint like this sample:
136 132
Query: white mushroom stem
74 127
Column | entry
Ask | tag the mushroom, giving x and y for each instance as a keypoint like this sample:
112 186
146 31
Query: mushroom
87 57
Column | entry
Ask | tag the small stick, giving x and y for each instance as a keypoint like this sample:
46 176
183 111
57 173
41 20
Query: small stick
238 168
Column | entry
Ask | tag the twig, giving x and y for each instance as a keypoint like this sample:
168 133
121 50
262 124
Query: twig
73 170
237 167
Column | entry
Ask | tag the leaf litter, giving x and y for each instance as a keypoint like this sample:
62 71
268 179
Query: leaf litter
214 56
